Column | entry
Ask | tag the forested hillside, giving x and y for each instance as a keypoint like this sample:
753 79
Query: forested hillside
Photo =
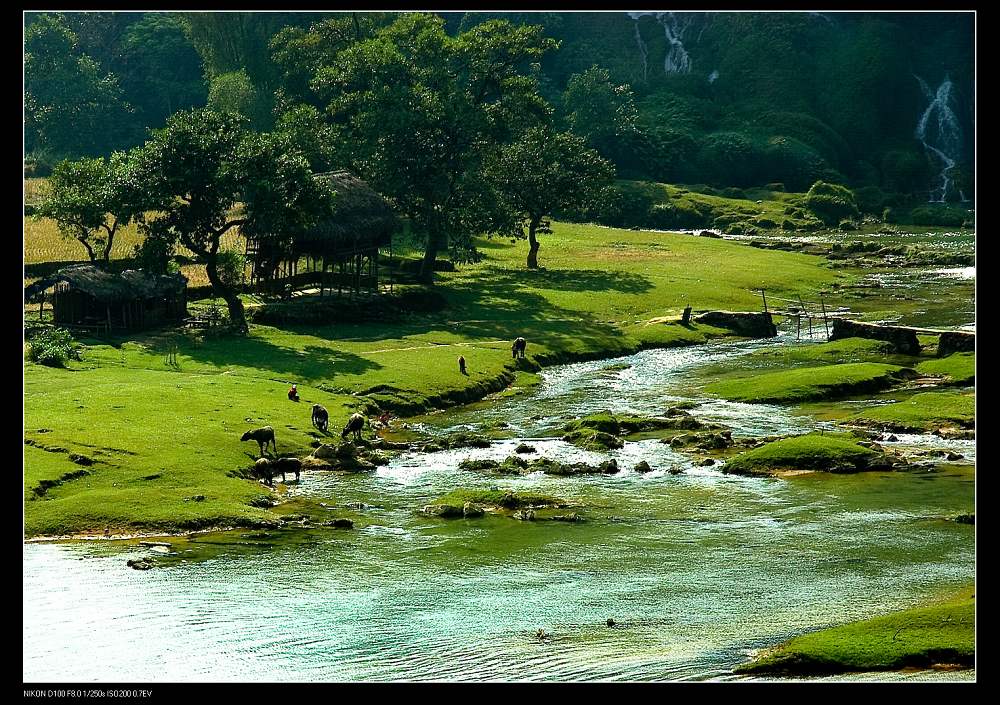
882 102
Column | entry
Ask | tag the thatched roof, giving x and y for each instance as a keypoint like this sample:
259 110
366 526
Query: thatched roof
111 287
359 217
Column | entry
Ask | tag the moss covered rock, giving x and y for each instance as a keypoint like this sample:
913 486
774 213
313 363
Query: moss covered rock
813 451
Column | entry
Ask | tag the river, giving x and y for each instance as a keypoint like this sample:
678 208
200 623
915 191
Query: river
697 569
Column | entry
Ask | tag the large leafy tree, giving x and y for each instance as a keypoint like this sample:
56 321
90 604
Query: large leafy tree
90 199
160 69
206 174
71 107
545 172
418 112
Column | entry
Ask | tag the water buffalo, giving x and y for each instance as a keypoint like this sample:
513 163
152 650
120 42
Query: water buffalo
263 436
266 469
320 417
517 349
354 425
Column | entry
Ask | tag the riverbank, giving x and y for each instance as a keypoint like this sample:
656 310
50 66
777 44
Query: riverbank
940 635
133 440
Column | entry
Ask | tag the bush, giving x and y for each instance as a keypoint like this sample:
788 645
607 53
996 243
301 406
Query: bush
53 347
905 171
872 199
831 203
154 255
776 186
948 216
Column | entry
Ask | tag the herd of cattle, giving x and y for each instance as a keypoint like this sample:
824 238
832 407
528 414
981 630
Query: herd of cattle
266 468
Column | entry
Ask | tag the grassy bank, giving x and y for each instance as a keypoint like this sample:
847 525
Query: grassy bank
812 451
162 432
804 384
923 412
939 634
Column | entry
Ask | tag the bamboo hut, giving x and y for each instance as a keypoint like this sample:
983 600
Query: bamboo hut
86 296
341 250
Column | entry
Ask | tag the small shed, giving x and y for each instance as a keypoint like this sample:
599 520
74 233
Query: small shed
86 296
348 240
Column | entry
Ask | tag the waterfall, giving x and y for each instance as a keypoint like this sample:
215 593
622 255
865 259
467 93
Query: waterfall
941 134
643 51
677 59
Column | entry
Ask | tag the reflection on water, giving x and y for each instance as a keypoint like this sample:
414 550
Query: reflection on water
697 569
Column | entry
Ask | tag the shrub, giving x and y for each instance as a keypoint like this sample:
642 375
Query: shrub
776 186
831 203
905 171
53 347
154 255
948 216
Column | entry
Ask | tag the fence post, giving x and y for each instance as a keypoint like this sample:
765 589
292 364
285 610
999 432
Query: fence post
823 306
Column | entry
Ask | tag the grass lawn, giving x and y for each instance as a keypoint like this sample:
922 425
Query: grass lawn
942 633
806 383
958 368
923 412
138 417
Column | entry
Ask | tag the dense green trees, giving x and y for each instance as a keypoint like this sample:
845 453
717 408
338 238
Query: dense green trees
205 174
71 106
418 112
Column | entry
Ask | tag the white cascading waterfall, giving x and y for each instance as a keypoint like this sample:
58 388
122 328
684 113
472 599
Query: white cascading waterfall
677 59
643 51
941 134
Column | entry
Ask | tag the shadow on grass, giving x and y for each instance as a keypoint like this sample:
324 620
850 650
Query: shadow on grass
500 304
311 363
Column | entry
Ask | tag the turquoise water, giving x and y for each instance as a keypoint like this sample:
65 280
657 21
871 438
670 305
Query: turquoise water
697 569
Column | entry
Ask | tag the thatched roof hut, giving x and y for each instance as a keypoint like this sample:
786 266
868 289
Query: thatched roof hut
84 294
360 217
360 222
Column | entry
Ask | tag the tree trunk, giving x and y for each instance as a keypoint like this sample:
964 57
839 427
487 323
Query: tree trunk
236 313
533 242
430 256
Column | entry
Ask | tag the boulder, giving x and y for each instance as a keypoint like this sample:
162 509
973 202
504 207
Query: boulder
139 563
524 448
642 467
751 325
472 511
956 341
444 511
903 339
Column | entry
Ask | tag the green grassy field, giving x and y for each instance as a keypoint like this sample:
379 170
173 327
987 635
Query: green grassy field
937 634
807 383
958 368
178 424
923 412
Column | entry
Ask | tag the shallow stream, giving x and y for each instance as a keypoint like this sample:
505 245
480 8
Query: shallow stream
697 569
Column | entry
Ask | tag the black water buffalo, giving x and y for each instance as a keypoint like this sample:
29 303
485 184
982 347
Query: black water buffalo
320 417
263 436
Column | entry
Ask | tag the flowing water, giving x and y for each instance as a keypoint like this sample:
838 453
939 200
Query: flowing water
697 569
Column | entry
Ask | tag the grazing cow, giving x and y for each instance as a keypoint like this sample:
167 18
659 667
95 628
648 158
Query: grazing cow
320 418
263 436
266 469
517 349
461 364
284 465
354 425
